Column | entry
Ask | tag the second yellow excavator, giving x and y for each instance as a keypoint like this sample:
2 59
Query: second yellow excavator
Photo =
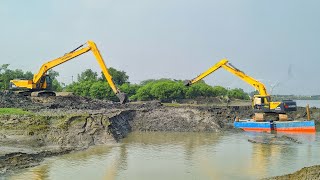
41 84
261 102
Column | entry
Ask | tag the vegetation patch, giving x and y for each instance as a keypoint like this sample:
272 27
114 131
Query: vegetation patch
14 111
94 85
65 122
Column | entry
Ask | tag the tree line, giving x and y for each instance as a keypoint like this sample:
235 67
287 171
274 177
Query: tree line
94 85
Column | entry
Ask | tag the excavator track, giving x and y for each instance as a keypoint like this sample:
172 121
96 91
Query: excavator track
43 94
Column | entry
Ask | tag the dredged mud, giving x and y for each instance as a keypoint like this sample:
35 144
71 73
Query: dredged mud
59 125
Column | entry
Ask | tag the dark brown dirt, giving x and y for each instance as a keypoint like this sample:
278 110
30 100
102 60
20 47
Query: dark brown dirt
59 125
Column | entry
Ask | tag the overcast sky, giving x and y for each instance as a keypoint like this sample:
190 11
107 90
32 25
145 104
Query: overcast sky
276 42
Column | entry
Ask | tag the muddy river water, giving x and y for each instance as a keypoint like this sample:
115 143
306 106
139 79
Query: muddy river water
163 155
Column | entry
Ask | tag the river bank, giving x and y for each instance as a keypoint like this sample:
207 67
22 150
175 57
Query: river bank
58 125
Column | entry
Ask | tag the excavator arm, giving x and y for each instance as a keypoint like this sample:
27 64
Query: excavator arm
38 83
207 72
261 102
53 63
224 63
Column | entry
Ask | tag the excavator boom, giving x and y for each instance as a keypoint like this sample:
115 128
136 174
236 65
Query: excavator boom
41 82
224 63
262 102
207 72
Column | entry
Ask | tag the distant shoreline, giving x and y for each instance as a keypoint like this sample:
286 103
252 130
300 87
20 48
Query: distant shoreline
294 97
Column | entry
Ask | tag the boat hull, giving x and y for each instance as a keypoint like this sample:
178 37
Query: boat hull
277 126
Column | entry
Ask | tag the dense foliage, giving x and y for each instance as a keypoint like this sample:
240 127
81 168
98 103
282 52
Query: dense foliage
90 84
163 89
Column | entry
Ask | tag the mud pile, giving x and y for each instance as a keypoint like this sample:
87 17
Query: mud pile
187 118
12 100
311 173
58 125
26 139
65 102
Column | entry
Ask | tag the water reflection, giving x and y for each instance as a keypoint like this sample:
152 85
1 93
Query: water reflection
38 173
263 155
118 164
65 165
163 155
166 154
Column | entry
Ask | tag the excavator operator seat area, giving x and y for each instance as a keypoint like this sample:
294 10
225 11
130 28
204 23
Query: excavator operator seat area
261 103
257 101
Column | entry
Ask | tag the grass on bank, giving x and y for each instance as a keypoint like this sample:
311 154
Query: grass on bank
14 111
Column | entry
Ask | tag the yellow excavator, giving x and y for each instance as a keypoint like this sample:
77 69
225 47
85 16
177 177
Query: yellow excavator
261 102
41 84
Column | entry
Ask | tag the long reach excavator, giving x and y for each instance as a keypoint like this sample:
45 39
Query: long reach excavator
262 102
41 84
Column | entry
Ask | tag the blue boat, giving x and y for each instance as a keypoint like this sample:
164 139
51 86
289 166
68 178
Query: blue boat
277 126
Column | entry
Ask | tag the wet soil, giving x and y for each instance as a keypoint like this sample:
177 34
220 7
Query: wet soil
59 125
308 173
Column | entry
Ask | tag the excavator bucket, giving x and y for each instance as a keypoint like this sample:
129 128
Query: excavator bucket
122 97
187 82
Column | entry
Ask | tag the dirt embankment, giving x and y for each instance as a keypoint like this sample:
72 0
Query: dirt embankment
26 139
58 125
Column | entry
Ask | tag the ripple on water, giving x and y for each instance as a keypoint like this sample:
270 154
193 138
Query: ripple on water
181 156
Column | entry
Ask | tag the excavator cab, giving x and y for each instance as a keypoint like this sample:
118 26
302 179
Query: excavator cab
264 104
48 82
261 103
45 83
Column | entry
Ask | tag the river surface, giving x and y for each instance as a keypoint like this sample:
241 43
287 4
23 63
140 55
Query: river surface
312 103
182 156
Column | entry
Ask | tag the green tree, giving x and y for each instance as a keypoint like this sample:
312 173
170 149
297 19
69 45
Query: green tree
118 77
98 90
220 91
162 89
88 75
102 90
80 88
147 81
144 93
53 74
129 89
200 89
238 93
28 75
56 85
4 67
168 90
